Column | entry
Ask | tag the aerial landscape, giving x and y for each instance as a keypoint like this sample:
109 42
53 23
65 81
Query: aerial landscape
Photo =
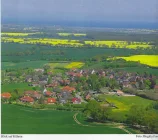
71 79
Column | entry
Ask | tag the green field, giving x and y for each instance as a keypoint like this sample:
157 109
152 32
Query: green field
67 52
11 87
141 70
22 120
124 103
29 64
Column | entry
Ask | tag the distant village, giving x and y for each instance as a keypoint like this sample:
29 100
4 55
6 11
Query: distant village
78 85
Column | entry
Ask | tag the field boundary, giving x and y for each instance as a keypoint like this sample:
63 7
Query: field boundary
119 127
75 119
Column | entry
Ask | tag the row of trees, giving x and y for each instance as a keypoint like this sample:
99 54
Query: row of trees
143 118
139 117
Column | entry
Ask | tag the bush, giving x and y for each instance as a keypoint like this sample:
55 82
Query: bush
129 91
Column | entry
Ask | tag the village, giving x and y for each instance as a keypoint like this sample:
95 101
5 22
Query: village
76 86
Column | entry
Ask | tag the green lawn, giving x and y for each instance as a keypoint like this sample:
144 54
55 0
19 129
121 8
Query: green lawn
22 120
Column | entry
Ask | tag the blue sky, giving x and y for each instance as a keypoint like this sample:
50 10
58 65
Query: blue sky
81 10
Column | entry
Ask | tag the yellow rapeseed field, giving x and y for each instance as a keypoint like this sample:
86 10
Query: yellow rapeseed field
74 65
79 34
76 43
44 41
70 34
119 44
150 60
17 34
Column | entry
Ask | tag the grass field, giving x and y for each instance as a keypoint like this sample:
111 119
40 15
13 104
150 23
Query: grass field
29 64
73 53
124 103
11 87
139 70
22 120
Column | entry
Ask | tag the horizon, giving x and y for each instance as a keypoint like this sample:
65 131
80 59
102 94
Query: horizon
96 24
109 13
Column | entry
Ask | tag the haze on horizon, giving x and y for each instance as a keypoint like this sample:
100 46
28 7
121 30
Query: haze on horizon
80 10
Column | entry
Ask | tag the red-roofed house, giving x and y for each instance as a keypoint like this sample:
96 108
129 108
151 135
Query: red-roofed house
27 99
51 100
76 100
6 95
33 94
48 93
69 89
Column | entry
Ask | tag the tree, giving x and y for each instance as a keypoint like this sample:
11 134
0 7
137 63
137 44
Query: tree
153 83
136 115
141 85
147 84
41 100
150 120
49 80
94 111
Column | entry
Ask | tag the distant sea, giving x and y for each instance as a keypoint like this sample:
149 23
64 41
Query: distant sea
137 25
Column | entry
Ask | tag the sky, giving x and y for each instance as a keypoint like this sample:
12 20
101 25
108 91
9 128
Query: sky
80 10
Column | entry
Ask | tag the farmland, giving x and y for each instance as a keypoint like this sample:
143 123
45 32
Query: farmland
26 52
82 62
17 34
74 65
124 104
119 44
150 60
29 64
71 34
78 43
25 121
21 87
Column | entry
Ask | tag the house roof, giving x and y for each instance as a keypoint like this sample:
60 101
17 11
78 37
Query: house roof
48 93
76 100
27 99
51 100
67 88
6 95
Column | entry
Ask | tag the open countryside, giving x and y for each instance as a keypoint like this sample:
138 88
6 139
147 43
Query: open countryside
63 122
74 81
